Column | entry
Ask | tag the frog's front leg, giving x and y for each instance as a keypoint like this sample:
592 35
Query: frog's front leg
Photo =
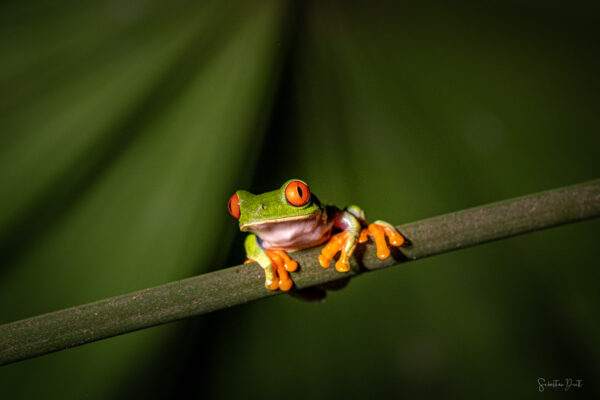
351 222
378 230
276 264
344 241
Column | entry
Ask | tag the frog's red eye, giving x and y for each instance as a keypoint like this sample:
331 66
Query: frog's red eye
297 193
234 206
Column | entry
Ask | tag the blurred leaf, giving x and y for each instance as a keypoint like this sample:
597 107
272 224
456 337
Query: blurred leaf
141 138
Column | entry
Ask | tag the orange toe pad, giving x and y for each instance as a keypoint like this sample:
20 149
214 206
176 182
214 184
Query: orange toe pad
378 233
282 263
337 243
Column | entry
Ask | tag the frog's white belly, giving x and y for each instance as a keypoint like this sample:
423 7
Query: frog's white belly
293 235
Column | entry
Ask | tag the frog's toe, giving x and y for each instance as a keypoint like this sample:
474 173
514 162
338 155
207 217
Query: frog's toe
338 242
285 284
394 237
378 234
248 261
280 271
363 237
335 244
343 264
272 284
378 231
271 279
289 264
324 261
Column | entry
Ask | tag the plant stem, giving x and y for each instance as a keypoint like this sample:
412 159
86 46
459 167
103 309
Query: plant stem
243 283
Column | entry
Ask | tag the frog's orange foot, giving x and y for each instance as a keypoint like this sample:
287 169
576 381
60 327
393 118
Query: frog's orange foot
378 232
280 256
281 264
272 284
338 242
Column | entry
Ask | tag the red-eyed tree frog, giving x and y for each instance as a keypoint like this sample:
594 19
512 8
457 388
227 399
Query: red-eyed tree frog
292 218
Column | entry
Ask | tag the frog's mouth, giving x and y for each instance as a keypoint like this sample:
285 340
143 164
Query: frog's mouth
292 233
263 224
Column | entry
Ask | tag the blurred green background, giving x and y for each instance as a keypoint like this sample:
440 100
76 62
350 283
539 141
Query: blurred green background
126 125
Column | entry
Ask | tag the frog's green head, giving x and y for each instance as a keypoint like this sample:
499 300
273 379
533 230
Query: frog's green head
292 201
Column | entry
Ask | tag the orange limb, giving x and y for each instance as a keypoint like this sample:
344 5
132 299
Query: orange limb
289 264
334 245
378 235
274 285
363 237
337 243
378 232
395 238
279 267
285 282
343 263
248 261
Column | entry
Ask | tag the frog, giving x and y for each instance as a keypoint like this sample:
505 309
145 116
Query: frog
292 218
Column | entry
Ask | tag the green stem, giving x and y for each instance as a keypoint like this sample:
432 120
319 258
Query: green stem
240 284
